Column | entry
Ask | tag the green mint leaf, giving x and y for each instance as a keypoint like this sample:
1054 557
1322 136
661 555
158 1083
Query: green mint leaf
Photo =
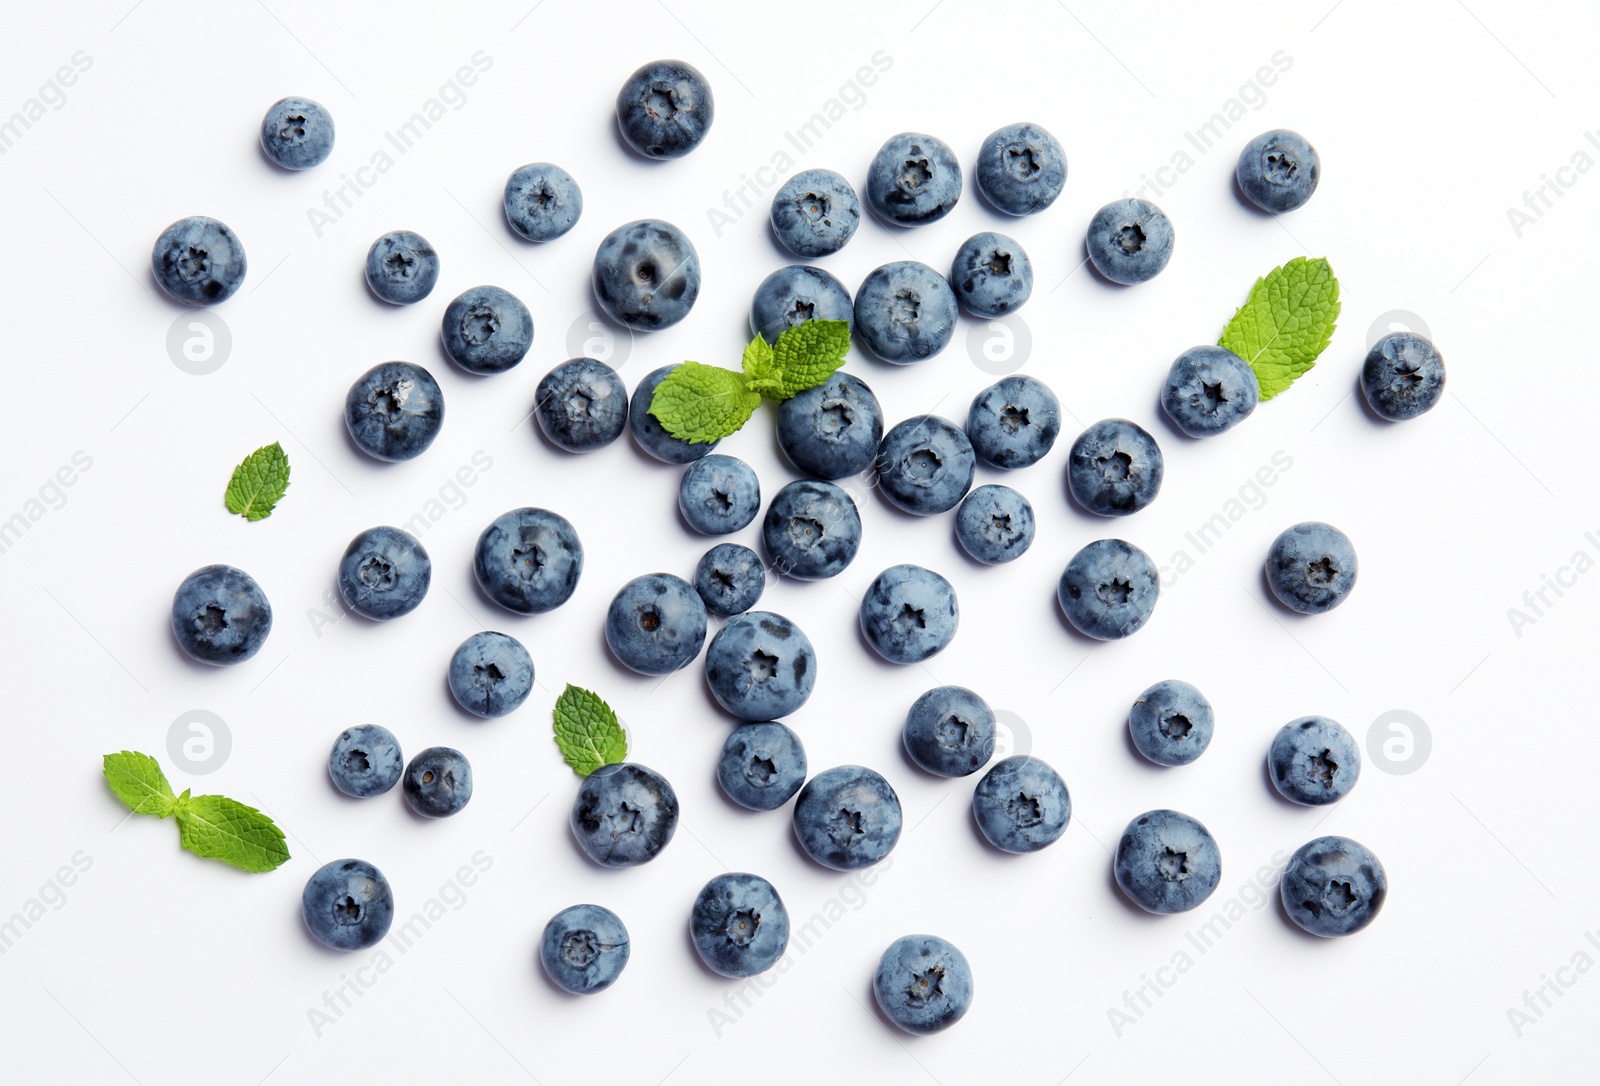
138 781
587 731
701 404
258 483
807 354
1286 322
758 364
220 828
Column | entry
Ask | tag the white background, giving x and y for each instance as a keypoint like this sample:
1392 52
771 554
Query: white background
1431 118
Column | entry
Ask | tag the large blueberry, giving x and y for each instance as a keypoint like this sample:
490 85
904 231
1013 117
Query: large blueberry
812 530
385 573
394 411
914 179
1209 390
365 761
1311 567
1114 468
762 765
584 949
529 560
739 925
831 430
815 213
730 579
1109 589
198 261
220 615
995 524
491 674
402 267
909 613
719 495
437 782
1314 761
1021 169
847 817
1402 377
1333 886
923 984
925 465
795 294
624 815
665 109
1167 862
656 624
297 133
949 731
647 275
991 274
1021 805
1171 723
1278 170
648 432
542 201
760 666
581 405
1129 241
347 905
486 330
1014 422
905 312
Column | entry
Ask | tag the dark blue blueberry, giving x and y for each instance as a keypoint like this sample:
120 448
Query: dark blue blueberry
365 761
624 815
1311 567
831 430
665 109
925 465
1021 805
949 731
385 573
656 624
437 782
486 330
297 133
909 613
1209 390
581 405
1129 241
402 267
991 275
1014 422
923 984
529 560
760 666
647 275
542 201
491 674
995 524
812 530
1314 761
651 436
198 261
1402 377
795 294
1171 723
1333 886
914 179
347 905
1167 862
1021 169
739 925
1114 468
1279 170
905 312
719 495
220 615
584 949
763 764
847 818
815 213
394 411
1109 589
730 579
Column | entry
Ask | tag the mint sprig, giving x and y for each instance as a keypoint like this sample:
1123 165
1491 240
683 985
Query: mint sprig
258 483
215 827
1285 323
587 731
701 404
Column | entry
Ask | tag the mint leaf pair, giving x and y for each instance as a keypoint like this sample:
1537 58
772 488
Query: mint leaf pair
587 731
701 404
1285 323
258 484
215 827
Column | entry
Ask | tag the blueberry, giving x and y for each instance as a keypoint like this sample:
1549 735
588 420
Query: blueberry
542 201
914 179
1314 761
1167 862
1333 886
581 405
647 275
831 430
656 624
739 925
384 573
925 465
625 814
1209 390
949 731
847 818
1021 805
1402 377
665 109
584 949
1014 422
437 782
1109 589
198 261
1114 468
1021 169
812 530
760 666
394 411
1129 241
402 267
1311 567
347 905
994 524
1278 170
730 579
220 615
719 495
991 274
905 312
762 765
486 330
815 213
528 560
297 133
923 984
1171 723
648 432
909 613
365 761
491 674
795 294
